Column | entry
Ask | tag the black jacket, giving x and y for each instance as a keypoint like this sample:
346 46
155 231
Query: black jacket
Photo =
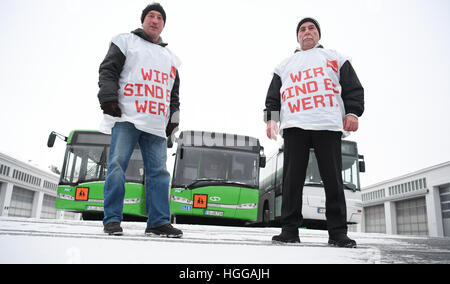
112 66
352 93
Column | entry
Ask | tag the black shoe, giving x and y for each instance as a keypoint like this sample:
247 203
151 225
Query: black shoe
166 230
342 241
113 228
286 238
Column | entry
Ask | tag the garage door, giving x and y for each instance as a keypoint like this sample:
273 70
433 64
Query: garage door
375 219
445 207
21 202
412 217
48 207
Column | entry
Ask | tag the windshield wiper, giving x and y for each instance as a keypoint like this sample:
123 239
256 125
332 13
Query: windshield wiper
201 180
346 186
219 180
242 184
314 183
235 182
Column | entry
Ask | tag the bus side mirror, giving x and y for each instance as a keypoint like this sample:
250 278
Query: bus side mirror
51 140
52 137
362 166
262 161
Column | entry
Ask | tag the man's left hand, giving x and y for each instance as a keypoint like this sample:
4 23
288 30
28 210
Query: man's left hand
170 130
351 123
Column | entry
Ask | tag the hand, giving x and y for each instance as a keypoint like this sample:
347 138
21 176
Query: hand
272 129
111 108
351 123
170 132
171 128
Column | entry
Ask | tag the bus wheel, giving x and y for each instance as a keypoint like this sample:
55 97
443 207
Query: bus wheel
92 216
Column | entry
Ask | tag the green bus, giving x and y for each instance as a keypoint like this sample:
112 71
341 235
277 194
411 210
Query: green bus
216 177
83 173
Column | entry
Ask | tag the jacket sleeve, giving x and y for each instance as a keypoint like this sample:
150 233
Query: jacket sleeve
273 100
175 99
109 71
352 90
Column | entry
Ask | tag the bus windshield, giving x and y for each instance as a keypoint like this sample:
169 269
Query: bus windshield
196 164
86 163
349 172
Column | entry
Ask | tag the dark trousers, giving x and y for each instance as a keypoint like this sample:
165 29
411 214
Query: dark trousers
327 147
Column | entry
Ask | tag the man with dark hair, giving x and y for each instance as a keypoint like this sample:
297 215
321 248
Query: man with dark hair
139 86
316 97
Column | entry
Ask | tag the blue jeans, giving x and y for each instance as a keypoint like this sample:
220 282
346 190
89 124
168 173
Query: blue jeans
124 138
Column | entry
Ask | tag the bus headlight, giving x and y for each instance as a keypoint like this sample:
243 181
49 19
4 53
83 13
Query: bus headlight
247 206
132 201
181 200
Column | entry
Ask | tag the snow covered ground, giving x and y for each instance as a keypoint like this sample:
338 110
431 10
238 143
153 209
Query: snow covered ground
62 241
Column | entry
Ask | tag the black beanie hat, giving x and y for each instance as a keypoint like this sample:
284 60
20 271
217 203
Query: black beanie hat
154 6
309 20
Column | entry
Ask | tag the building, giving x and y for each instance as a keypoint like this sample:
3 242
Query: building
27 191
414 204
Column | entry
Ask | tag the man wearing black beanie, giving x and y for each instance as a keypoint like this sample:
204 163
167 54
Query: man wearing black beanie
309 20
316 98
139 96
153 7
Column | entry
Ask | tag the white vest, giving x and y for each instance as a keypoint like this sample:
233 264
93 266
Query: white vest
310 92
145 85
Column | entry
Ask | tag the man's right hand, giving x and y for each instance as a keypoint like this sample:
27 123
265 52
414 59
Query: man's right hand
111 108
272 129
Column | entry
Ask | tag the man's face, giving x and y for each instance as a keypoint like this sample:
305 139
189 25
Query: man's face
153 25
308 36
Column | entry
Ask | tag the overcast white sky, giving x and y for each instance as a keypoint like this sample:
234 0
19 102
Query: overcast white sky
51 49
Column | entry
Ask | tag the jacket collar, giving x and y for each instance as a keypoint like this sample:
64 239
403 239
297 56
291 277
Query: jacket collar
140 33
298 49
